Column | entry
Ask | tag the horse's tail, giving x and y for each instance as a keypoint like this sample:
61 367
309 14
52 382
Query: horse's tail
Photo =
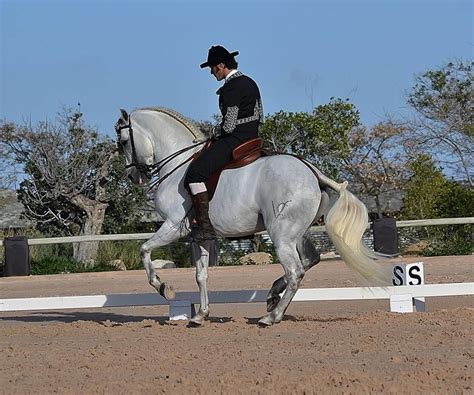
346 222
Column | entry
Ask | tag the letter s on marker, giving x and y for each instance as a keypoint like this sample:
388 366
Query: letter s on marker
397 271
414 276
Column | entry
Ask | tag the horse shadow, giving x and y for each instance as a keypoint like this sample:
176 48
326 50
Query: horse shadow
213 320
292 318
70 317
107 319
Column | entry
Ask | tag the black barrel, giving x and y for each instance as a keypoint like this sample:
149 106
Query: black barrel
385 236
17 256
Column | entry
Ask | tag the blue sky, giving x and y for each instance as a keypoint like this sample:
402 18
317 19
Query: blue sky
127 54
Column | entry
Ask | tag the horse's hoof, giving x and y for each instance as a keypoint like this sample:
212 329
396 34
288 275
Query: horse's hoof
167 291
196 321
265 321
272 303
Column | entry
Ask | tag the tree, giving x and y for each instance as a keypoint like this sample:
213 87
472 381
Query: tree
456 201
7 170
69 176
443 124
53 214
376 163
423 190
206 127
126 206
430 195
320 136
333 139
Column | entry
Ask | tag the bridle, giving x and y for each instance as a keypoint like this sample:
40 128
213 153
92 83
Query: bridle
144 168
151 170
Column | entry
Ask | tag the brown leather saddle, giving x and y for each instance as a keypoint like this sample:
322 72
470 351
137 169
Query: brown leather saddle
242 155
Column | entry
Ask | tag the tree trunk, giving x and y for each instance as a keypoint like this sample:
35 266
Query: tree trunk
378 205
86 252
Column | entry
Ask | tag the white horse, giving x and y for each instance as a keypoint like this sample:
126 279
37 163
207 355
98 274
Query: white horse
280 194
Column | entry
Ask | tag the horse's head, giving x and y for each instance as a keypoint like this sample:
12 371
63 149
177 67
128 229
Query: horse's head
137 148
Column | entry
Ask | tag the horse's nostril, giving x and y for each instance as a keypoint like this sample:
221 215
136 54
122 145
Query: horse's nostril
130 177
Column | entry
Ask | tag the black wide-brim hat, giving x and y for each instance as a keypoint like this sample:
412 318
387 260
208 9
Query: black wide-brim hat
218 54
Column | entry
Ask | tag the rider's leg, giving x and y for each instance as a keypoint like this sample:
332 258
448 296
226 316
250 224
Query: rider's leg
200 170
200 200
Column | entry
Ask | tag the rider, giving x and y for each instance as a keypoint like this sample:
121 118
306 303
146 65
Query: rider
242 112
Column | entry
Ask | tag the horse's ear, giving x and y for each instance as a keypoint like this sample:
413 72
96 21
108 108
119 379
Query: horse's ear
124 115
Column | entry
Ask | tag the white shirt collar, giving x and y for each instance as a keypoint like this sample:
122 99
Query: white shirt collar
232 72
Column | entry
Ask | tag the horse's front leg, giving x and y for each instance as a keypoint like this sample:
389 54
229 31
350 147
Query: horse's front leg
167 234
201 254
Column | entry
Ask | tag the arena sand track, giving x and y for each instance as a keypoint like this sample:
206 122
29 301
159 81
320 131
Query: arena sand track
320 347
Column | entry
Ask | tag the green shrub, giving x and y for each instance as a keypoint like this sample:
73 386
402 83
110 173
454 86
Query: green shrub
428 194
127 251
179 253
268 248
63 265
454 240
228 254
54 265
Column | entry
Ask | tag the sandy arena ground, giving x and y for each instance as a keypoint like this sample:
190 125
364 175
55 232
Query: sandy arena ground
320 347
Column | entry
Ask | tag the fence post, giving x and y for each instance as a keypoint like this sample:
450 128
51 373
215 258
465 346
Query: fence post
385 236
17 256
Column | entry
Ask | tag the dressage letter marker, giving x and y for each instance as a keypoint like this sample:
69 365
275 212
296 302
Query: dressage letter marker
407 274
401 303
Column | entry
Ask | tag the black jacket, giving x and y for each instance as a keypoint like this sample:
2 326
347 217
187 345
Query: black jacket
241 107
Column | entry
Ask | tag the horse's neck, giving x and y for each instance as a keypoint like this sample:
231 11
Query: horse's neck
168 144
168 137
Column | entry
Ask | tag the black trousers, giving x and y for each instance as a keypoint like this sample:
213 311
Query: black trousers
213 158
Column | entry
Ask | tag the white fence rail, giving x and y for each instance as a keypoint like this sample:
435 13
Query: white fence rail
145 236
241 296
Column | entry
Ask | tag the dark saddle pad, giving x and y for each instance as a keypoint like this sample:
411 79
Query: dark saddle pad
242 155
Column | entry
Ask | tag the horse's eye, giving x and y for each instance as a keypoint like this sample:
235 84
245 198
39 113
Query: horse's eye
124 136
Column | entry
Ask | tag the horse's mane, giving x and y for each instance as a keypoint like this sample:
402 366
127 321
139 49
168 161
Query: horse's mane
192 127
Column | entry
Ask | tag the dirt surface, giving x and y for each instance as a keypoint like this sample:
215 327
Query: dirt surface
320 347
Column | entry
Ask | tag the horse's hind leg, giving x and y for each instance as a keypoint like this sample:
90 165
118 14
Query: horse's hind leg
294 272
309 257
273 297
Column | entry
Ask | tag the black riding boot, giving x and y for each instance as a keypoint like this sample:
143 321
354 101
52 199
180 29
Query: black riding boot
204 231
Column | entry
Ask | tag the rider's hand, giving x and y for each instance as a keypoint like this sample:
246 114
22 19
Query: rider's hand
215 132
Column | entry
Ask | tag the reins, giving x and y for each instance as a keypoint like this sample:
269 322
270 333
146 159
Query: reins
152 170
162 163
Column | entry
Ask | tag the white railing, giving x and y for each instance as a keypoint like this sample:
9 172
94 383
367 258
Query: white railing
238 296
146 236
